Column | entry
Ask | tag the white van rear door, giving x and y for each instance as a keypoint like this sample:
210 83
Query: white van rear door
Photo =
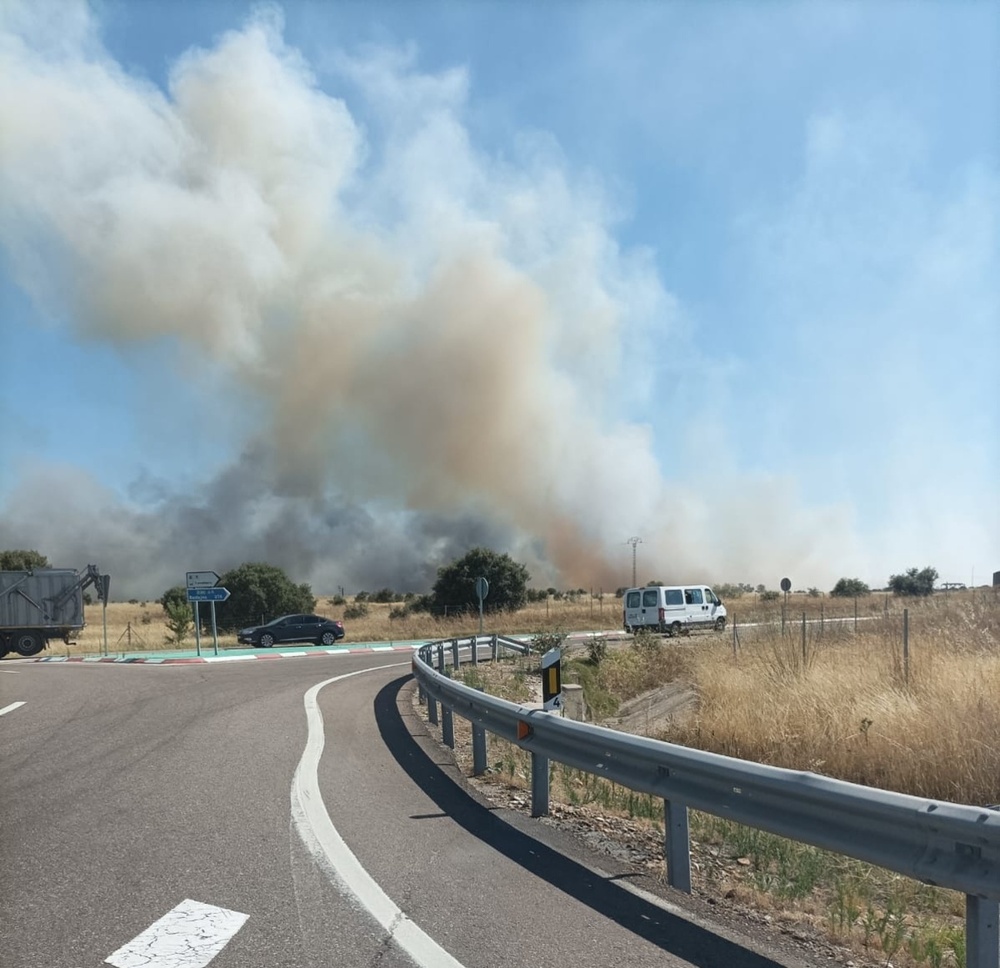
633 607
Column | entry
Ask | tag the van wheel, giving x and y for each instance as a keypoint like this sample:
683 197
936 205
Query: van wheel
675 629
720 625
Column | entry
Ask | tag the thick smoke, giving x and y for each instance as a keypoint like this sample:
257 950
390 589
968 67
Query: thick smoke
436 338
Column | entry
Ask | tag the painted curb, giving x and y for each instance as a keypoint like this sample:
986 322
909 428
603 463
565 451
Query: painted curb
154 660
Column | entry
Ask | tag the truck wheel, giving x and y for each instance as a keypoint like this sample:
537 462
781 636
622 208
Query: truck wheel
28 643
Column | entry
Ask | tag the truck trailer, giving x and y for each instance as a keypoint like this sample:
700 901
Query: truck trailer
44 604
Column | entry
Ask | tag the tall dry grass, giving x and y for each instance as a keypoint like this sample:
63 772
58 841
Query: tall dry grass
851 705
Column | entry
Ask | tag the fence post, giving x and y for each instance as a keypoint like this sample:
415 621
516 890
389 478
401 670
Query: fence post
539 785
982 935
677 845
822 617
855 613
906 645
803 638
734 636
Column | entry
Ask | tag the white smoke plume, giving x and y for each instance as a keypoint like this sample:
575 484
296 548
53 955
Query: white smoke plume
436 338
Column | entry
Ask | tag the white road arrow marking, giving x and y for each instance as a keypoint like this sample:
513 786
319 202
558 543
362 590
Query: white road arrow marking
189 936
11 708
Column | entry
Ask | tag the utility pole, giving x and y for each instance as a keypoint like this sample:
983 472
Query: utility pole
634 541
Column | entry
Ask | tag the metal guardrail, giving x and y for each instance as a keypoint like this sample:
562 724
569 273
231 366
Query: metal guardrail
940 843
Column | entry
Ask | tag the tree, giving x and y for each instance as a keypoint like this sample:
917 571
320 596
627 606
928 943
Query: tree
22 560
850 588
174 597
179 620
456 583
914 582
258 590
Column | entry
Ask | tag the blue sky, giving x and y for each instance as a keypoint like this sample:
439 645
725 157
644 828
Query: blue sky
350 287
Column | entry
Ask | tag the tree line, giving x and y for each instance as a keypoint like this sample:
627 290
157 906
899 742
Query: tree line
260 592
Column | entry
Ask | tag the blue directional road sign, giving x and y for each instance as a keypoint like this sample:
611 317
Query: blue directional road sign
207 594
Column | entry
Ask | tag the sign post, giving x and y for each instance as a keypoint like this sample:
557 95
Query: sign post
786 587
202 587
552 680
482 590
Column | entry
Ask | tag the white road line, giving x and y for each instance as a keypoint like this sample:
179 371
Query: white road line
289 655
322 840
11 708
227 658
189 936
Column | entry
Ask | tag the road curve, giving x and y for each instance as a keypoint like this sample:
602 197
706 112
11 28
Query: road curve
129 790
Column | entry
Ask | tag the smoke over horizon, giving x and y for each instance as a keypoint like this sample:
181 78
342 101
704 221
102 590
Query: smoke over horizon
440 345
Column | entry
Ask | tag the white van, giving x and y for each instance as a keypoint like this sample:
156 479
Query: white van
673 609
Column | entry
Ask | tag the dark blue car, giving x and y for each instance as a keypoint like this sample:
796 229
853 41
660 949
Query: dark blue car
293 628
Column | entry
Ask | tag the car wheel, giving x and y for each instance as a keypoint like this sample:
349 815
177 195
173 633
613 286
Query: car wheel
266 640
28 643
327 638
675 629
720 625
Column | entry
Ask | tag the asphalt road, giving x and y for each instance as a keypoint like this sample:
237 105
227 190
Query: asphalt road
127 790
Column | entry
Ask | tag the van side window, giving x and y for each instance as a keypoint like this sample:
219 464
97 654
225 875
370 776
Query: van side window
632 600
673 596
649 597
692 596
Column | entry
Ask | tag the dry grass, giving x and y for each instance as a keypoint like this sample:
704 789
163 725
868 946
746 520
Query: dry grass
854 708
137 627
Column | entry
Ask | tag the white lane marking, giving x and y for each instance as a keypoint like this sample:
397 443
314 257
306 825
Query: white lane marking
381 648
189 936
227 658
322 840
338 651
288 655
11 708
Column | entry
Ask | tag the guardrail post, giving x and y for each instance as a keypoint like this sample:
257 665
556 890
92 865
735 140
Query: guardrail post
475 650
539 785
447 726
677 845
432 711
478 747
982 934
454 653
441 658
494 647
421 695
